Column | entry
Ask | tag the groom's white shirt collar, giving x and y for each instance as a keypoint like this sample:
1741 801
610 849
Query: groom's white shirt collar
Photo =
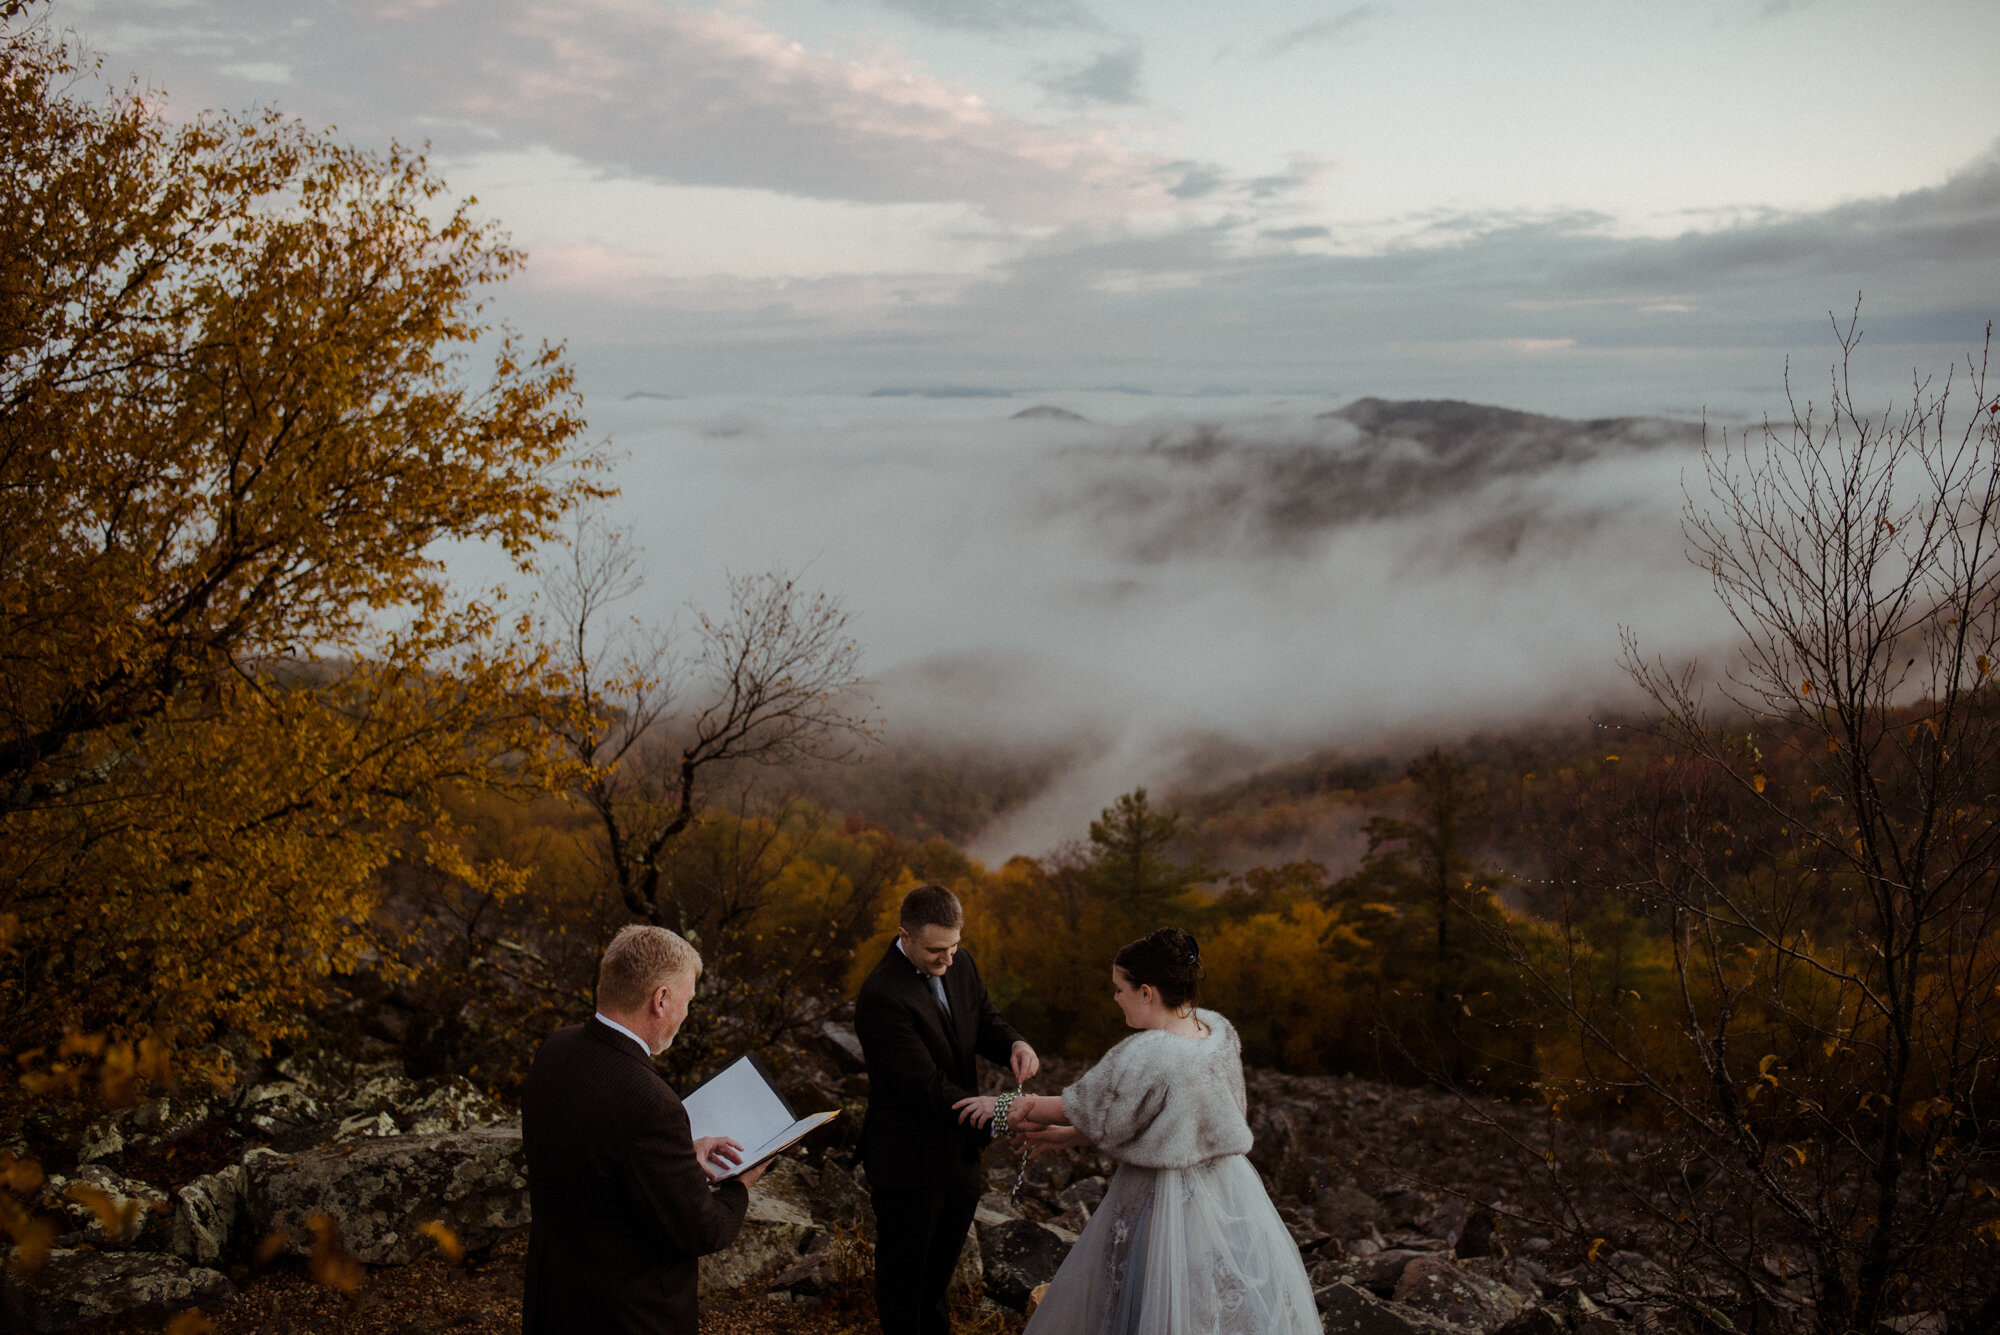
606 1019
921 972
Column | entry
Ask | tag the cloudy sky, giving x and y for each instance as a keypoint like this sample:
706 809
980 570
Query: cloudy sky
1560 204
1200 227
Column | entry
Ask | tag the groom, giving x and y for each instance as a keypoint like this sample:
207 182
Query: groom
923 1016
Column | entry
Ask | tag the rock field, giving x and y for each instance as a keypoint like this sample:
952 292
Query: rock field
1414 1211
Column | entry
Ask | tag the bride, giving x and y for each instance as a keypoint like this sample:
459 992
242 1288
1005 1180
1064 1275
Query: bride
1185 1242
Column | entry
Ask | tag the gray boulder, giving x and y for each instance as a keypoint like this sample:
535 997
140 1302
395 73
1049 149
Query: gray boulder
280 1106
143 1127
382 1191
1535 1321
74 1287
1435 1285
103 1208
777 1230
1344 1208
1375 1271
1634 1278
1079 1200
206 1213
1347 1310
839 1201
1018 1255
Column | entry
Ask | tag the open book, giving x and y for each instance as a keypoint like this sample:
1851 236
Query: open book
740 1102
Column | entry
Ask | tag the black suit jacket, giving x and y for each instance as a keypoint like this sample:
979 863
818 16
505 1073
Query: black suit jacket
918 1067
621 1208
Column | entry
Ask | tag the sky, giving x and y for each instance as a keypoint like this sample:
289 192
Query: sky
1563 205
809 258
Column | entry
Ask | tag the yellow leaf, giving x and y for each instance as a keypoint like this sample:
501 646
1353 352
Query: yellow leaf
1757 782
1805 688
447 1241
23 1177
191 1322
1985 664
118 1220
1596 1245
330 1265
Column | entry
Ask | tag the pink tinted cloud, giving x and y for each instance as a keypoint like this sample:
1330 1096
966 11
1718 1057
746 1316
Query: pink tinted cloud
708 96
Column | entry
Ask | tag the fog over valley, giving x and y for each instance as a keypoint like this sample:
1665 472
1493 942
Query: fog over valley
1168 591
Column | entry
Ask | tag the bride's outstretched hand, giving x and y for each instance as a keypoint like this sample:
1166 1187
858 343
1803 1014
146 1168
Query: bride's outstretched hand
1032 1112
1045 1138
977 1110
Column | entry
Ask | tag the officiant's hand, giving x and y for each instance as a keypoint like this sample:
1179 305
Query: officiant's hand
1025 1063
717 1155
1046 1138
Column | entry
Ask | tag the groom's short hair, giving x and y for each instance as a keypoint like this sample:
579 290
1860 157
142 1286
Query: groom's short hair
639 959
930 906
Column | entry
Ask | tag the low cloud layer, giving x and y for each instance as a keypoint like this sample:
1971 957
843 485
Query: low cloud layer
1168 581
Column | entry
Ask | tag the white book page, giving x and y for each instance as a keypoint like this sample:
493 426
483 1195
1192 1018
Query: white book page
740 1103
737 1103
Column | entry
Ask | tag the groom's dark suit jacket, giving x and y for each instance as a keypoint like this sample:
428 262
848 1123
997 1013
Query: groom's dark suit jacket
621 1208
918 1066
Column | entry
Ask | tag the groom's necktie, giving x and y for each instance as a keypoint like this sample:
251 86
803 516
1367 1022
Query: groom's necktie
937 993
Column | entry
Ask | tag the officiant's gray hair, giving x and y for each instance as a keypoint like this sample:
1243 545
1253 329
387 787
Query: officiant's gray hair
930 906
639 959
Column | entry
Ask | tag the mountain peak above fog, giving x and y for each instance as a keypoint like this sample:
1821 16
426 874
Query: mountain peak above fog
1448 422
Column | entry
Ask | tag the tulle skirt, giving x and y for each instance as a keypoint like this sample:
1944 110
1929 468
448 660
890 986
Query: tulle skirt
1181 1251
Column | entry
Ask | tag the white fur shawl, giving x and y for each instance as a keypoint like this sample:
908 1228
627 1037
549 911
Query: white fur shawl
1159 1100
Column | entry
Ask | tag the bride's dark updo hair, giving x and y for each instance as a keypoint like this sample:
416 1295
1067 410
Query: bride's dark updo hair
1169 959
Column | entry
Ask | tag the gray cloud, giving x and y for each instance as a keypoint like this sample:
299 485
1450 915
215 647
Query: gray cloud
1342 27
1549 313
997 15
1109 79
662 92
1197 179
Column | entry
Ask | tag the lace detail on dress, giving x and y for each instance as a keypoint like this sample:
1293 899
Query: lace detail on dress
1125 1264
1232 1299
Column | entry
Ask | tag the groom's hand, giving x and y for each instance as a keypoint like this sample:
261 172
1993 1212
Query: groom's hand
717 1155
1025 1063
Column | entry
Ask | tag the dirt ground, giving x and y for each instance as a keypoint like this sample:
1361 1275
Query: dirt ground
430 1298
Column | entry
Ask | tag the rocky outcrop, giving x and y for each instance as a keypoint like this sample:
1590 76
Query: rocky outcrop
99 1208
73 1287
777 1231
1398 1207
382 1191
206 1213
1019 1255
1348 1310
1439 1286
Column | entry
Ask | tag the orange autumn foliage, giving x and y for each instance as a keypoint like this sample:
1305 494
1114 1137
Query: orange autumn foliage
239 413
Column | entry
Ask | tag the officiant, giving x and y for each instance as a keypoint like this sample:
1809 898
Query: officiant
621 1198
923 1017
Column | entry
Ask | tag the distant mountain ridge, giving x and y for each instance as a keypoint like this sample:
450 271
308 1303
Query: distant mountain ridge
1188 487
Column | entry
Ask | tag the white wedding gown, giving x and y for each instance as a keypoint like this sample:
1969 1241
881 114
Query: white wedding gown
1188 1242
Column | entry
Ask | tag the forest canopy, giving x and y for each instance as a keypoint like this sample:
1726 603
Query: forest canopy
246 390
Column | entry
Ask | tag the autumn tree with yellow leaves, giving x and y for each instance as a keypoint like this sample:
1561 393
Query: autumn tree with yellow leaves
246 393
